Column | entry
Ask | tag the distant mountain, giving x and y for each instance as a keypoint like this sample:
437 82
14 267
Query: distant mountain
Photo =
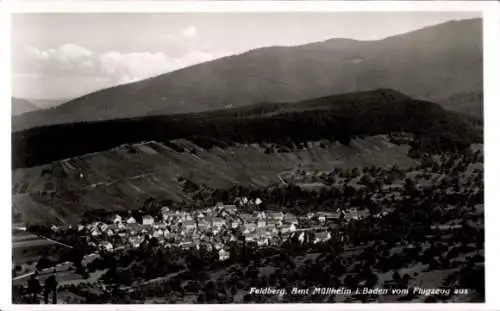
470 103
431 63
20 106
45 103
335 118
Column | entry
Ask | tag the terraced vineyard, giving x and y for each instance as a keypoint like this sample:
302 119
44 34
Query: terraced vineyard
124 177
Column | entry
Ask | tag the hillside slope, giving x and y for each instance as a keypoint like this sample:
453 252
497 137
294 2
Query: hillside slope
434 62
335 118
20 106
470 103
124 177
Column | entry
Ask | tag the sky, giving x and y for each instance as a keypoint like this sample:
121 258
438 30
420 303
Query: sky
66 55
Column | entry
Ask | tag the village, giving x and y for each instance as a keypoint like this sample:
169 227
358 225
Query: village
213 228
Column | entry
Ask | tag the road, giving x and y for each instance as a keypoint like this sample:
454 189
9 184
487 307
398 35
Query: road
34 241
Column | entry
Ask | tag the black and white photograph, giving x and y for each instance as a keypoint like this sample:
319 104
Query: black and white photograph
247 157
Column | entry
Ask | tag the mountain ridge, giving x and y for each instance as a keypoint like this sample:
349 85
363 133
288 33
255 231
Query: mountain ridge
452 64
336 118
20 106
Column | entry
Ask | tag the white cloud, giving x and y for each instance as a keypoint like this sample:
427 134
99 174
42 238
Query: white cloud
115 68
190 32
109 68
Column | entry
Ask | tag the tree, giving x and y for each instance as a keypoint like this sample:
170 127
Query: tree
34 287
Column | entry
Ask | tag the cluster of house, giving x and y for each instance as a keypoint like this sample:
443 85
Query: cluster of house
211 228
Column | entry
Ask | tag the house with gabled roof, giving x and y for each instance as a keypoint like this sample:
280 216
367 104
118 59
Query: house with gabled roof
186 244
158 233
271 229
166 233
231 208
249 227
95 232
291 219
131 220
135 241
107 246
223 255
148 220
288 228
276 215
189 225
217 222
251 237
322 237
247 217
117 219
204 224
235 223
263 241
274 222
219 205
261 223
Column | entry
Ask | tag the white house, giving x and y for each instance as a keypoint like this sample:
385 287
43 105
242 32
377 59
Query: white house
203 224
291 219
271 229
117 219
131 220
247 217
189 225
81 227
186 244
158 233
276 215
250 237
148 220
262 242
261 215
233 238
103 227
274 222
261 223
322 237
95 232
219 205
235 223
258 201
249 227
223 255
107 246
135 241
231 208
186 217
218 222
166 233
288 228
